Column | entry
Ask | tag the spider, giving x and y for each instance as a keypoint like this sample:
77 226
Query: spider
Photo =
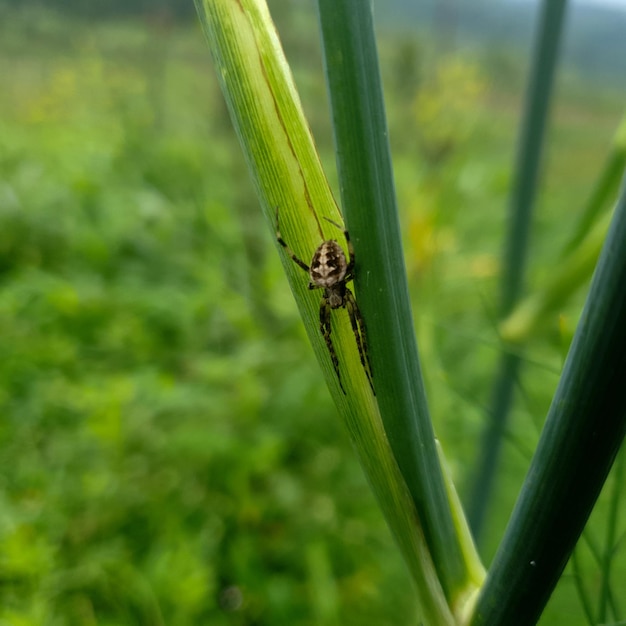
330 271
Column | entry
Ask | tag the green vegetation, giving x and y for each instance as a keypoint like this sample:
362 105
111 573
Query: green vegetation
169 453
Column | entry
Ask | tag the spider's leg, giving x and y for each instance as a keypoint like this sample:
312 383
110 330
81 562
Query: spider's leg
350 269
346 234
358 328
288 250
325 329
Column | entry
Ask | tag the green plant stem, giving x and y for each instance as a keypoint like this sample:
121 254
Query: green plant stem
605 189
286 170
579 256
507 373
610 542
598 557
584 429
516 247
581 589
529 158
568 276
368 197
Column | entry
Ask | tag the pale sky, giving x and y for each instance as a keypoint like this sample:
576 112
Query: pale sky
618 4
615 3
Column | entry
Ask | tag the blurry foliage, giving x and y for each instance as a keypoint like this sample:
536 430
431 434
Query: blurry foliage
166 9
168 454
446 107
157 466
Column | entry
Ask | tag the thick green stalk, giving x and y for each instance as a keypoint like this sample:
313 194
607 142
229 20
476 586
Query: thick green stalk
286 170
368 196
584 429
516 246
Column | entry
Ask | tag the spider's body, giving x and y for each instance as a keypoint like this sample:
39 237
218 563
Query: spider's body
330 271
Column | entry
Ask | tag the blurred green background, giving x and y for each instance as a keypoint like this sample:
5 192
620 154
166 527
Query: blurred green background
168 451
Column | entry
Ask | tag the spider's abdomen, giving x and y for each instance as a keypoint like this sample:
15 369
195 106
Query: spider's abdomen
329 265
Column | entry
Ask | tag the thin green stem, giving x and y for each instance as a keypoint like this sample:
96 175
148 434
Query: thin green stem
605 189
597 555
610 542
529 156
516 245
580 588
493 436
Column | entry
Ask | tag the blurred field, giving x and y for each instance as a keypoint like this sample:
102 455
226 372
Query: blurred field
168 452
